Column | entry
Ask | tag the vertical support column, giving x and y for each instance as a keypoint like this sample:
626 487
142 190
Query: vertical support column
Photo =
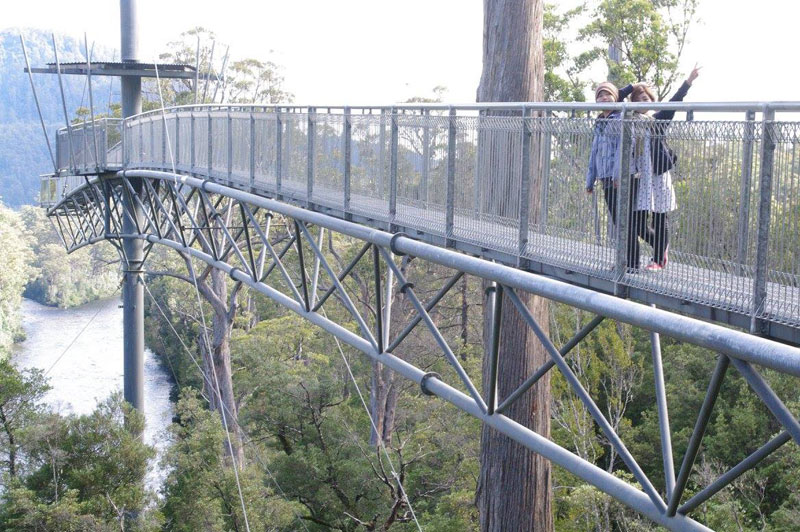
663 413
764 213
310 157
525 188
393 170
278 152
623 200
744 192
348 154
133 289
252 151
451 178
494 295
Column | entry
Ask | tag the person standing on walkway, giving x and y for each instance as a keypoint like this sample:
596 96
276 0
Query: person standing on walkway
658 200
604 165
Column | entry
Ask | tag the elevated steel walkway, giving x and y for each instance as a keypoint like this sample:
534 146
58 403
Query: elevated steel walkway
504 182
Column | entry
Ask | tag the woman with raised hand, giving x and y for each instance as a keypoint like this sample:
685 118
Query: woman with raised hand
659 198
605 161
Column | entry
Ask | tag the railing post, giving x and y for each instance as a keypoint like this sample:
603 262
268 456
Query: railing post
252 150
381 155
124 140
230 149
524 188
347 150
744 193
393 169
764 212
623 202
426 155
278 154
451 176
104 156
546 156
310 156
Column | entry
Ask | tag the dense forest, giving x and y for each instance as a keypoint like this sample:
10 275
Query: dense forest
316 436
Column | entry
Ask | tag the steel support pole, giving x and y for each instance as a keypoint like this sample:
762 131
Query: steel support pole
764 214
133 287
451 179
623 203
663 413
744 192
393 170
748 463
697 434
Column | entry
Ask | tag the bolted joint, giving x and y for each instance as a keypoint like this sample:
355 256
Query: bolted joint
423 383
393 243
406 286
233 272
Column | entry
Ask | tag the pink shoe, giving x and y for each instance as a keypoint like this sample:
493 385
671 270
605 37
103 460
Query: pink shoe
654 267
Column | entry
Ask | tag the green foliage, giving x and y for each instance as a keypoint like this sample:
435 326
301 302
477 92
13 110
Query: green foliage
63 279
649 35
14 275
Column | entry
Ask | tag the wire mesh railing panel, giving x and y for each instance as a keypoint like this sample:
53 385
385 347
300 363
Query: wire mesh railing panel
422 141
183 142
219 145
488 181
328 159
158 143
711 234
370 158
265 158
783 262
133 142
567 226
200 122
294 153
240 148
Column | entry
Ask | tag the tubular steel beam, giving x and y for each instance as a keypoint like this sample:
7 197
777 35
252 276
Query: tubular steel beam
547 366
428 307
588 472
587 400
769 398
663 414
697 434
495 303
748 463
761 351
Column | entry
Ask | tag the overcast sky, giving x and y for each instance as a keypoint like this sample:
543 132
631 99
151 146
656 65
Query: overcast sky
381 51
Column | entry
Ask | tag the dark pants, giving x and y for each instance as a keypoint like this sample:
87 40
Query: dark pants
656 235
637 221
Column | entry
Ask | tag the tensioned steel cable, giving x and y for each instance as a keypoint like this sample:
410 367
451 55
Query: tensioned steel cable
205 327
206 379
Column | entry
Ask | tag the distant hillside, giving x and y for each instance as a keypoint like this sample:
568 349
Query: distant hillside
23 152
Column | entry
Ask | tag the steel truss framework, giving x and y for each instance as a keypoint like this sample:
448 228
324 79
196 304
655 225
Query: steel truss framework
230 229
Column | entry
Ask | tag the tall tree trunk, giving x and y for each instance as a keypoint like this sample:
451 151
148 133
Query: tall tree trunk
514 487
222 324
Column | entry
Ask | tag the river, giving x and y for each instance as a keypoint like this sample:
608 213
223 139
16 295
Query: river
91 369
